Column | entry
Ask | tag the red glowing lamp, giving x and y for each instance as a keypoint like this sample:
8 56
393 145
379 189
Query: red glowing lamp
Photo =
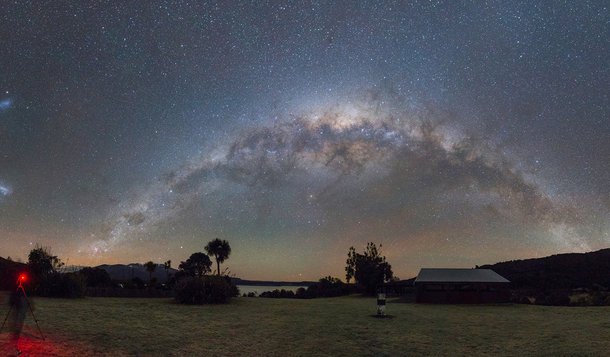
22 277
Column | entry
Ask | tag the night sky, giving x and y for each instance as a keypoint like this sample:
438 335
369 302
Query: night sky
454 133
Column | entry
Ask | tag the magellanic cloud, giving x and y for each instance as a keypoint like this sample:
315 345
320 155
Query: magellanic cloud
5 190
348 162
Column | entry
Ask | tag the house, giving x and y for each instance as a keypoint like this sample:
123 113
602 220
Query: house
461 286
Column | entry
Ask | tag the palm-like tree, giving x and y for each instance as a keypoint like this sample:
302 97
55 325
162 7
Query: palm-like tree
220 249
150 268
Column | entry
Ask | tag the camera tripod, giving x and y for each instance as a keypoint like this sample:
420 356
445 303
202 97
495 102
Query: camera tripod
21 290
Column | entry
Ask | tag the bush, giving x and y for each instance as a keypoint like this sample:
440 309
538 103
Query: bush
68 285
325 287
553 298
96 277
278 294
598 298
328 287
136 283
525 300
303 293
204 290
558 298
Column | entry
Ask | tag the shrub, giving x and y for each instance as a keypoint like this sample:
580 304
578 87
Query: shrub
598 298
204 290
136 283
325 287
96 277
525 300
558 298
68 285
233 289
553 298
580 299
278 294
303 293
328 287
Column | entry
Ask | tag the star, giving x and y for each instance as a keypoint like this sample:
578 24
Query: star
449 133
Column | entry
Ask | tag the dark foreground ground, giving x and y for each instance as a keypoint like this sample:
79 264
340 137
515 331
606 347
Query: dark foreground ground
321 327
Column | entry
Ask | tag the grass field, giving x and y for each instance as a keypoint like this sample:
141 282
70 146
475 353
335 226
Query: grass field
321 327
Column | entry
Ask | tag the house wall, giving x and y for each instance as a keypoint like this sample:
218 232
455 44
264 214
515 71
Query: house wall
462 293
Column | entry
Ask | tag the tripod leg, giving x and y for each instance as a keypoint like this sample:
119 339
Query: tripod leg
32 312
7 315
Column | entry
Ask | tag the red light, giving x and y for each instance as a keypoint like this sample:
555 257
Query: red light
22 277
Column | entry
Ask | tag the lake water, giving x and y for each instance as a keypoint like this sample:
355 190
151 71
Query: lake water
258 289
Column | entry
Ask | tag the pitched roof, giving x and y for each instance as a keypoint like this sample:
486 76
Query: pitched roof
459 276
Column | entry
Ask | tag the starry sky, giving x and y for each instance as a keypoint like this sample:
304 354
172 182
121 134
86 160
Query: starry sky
454 133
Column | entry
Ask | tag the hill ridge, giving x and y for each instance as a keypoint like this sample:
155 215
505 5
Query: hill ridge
557 271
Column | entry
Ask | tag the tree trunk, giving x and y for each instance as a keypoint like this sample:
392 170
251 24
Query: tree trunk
218 266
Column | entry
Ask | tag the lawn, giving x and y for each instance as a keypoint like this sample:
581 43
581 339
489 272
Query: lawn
321 327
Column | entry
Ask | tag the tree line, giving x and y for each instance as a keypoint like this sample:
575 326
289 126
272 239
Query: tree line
192 283
46 277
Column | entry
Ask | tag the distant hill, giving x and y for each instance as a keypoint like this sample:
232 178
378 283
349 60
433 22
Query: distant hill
560 271
130 271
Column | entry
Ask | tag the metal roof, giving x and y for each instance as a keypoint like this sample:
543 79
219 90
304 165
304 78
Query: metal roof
459 276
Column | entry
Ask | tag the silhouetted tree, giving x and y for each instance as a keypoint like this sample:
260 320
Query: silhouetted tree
370 269
351 264
150 268
42 262
220 249
167 266
198 264
47 280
